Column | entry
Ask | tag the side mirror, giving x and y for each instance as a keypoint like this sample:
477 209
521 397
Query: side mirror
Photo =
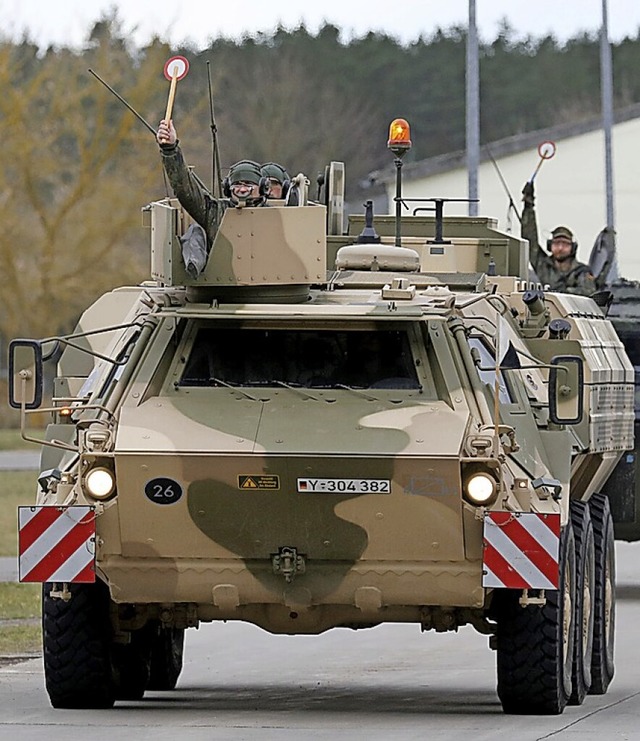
566 386
25 374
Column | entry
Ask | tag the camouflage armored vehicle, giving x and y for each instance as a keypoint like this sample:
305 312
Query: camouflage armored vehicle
415 435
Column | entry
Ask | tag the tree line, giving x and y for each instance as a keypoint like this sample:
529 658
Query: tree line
79 166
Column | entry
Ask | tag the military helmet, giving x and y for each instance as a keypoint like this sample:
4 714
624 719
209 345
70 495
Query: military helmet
274 171
244 170
563 232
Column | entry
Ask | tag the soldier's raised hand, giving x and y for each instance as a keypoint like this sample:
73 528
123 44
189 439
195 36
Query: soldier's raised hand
527 193
166 133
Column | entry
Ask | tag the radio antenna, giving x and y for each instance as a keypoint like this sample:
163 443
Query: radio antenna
216 174
124 102
512 205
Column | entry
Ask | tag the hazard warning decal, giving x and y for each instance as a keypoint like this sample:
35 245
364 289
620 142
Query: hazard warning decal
56 544
521 550
259 482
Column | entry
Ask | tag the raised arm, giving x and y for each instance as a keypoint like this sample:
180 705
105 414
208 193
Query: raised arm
186 187
529 227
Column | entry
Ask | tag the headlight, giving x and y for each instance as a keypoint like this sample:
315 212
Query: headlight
100 483
480 488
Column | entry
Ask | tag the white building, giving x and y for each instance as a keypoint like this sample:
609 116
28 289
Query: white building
570 188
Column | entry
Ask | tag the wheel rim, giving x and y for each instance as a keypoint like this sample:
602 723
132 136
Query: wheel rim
587 635
567 623
609 607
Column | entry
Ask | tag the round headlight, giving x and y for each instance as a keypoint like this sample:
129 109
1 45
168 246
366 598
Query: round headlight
481 487
100 483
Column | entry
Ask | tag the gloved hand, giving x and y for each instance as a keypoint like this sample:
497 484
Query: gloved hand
527 194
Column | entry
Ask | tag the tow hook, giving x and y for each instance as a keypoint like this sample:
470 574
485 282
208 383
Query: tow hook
286 562
60 591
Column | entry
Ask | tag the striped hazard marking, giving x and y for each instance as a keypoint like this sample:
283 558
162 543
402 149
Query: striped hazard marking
521 550
56 544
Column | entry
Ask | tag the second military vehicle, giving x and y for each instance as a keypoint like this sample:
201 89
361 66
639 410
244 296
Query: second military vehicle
417 435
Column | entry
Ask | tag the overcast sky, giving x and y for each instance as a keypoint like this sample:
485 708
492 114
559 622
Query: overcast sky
67 22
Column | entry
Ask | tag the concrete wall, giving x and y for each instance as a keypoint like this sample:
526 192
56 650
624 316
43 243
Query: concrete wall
570 190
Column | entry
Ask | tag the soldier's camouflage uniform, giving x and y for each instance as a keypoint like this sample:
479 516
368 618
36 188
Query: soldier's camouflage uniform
204 209
577 279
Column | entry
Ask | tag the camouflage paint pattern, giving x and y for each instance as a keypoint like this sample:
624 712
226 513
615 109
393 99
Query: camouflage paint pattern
213 548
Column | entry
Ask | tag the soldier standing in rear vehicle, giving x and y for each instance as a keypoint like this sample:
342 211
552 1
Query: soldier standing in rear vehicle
560 269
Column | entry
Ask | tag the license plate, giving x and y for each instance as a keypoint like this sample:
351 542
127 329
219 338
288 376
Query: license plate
345 486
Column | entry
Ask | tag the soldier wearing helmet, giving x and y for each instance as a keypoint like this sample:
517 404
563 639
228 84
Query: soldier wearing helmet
278 177
244 184
560 269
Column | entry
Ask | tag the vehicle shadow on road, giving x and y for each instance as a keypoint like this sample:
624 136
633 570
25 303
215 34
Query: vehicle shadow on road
628 591
328 698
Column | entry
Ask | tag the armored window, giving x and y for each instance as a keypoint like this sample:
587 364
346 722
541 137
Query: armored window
307 358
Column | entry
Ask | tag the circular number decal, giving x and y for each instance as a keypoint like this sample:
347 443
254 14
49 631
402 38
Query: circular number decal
163 491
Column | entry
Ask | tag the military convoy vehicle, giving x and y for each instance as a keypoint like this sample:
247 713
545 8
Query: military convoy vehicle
328 427
623 487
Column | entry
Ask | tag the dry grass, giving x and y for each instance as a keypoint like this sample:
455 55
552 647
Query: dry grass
16 488
20 631
19 601
10 439
20 640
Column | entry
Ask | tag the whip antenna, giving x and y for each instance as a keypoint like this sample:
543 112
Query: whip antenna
216 175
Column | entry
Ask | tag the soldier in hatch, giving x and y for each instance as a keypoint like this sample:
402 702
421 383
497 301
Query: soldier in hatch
245 183
560 270
278 178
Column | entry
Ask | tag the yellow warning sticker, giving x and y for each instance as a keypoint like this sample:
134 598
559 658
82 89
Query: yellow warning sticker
259 482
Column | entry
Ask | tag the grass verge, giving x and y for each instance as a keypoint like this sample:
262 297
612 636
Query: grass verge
19 601
20 631
10 439
16 488
20 640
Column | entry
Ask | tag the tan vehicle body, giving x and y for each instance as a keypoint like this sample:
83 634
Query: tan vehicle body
217 512
414 554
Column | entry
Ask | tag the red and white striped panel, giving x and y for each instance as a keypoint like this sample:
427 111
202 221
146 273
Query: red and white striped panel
521 550
56 544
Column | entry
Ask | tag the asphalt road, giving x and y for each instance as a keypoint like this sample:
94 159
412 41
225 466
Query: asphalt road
20 460
391 682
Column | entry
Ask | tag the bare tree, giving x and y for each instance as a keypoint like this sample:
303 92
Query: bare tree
79 168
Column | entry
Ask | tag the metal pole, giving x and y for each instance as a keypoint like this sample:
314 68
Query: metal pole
398 199
606 87
473 109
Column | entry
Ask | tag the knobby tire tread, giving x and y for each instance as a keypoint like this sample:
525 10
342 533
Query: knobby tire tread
602 666
529 641
585 569
166 659
76 639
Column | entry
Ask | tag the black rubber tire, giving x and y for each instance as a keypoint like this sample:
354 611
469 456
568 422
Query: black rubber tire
167 652
584 610
604 627
535 644
131 664
76 639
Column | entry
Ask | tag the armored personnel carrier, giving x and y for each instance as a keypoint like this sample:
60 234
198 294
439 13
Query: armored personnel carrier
416 434
623 486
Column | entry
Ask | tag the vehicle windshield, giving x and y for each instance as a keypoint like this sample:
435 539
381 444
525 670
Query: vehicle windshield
303 358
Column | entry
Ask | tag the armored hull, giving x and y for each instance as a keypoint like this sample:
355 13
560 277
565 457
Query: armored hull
407 437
